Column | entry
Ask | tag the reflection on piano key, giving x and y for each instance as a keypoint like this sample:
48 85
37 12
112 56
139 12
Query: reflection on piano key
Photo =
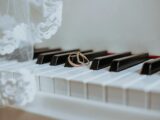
126 62
105 61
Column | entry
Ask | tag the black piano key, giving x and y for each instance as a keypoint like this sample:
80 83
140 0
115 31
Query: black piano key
46 57
151 67
37 52
61 58
105 61
127 62
40 49
90 57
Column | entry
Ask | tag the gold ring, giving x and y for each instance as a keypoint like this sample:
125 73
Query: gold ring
84 58
72 63
79 55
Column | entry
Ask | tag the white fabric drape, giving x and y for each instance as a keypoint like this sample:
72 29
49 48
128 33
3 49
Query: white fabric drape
18 34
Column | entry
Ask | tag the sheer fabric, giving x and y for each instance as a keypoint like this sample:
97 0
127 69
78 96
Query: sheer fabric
19 32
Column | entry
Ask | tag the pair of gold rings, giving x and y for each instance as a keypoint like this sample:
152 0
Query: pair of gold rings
81 59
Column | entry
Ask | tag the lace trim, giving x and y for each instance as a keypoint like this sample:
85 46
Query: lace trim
14 34
52 12
12 38
17 90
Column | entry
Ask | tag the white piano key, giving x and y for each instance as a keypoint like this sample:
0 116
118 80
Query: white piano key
39 69
19 65
138 93
6 63
39 72
78 84
8 71
47 83
36 71
11 64
154 98
47 68
13 70
116 90
97 89
5 66
62 85
37 79
14 66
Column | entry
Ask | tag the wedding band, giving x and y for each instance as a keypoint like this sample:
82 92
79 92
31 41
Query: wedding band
70 61
79 55
85 59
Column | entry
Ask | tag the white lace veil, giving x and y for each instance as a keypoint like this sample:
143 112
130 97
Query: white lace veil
19 31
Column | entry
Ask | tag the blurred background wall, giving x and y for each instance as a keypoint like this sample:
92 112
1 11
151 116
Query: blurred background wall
115 25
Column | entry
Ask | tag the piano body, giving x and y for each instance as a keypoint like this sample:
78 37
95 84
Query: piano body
121 40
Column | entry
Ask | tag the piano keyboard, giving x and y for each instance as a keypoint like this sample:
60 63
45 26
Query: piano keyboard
121 79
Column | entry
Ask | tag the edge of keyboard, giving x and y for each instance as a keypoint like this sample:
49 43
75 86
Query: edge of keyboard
63 107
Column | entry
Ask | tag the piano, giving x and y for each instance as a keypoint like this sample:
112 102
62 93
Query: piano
123 85
120 38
